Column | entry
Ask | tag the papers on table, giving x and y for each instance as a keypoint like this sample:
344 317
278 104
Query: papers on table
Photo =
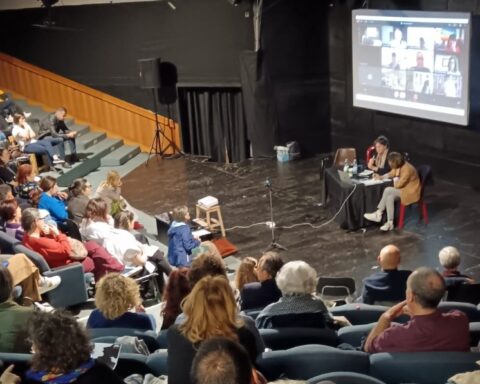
369 182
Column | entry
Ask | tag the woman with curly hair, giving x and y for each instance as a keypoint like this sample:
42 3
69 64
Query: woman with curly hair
177 288
210 311
115 297
61 352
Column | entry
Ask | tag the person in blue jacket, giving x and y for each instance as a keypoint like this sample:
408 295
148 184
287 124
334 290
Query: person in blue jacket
53 200
180 239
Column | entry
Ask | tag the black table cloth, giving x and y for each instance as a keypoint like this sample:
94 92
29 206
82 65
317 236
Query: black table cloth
365 199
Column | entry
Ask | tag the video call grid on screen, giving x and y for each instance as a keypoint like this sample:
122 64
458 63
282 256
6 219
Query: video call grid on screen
412 63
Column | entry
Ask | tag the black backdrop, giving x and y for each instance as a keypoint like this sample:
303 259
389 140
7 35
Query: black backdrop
452 150
203 38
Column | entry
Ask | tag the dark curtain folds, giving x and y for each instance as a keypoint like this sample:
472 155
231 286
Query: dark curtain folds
213 123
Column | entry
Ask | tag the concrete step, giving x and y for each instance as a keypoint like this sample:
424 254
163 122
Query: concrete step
90 139
120 156
81 129
91 162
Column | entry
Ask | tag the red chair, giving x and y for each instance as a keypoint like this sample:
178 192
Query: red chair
424 173
369 153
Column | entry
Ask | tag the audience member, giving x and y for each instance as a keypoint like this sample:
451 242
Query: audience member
387 286
48 241
259 294
9 108
5 193
379 163
13 317
25 137
210 311
406 188
449 258
221 361
8 168
181 241
80 191
110 190
53 126
206 264
298 306
11 214
62 352
428 329
246 273
97 226
115 297
52 200
176 290
26 182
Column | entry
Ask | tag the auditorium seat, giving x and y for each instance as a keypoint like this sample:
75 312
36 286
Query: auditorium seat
345 378
71 291
469 309
465 293
359 313
421 367
474 333
253 313
109 335
335 288
285 338
307 361
157 362
355 334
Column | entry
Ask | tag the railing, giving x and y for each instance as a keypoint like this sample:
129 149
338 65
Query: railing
133 124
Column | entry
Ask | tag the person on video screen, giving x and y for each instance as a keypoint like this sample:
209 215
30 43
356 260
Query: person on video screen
398 41
420 66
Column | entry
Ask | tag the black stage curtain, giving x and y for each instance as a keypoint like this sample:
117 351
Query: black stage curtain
213 122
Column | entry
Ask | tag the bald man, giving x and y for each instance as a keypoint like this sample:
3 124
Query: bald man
387 286
429 330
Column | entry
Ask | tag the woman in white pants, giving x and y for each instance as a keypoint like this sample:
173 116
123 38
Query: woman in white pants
406 188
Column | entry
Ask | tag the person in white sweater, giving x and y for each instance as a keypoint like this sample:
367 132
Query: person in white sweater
97 225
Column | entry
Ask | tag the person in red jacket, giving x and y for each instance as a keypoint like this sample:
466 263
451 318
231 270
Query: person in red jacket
48 241
56 247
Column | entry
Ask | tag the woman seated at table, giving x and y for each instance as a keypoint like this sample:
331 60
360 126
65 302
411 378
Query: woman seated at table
406 188
379 163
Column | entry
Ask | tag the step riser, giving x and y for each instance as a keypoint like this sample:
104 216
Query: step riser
86 143
88 165
125 155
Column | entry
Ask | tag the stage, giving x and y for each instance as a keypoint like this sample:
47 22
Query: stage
454 213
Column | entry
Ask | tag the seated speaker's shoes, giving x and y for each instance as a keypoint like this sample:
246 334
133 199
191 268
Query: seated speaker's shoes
388 226
374 216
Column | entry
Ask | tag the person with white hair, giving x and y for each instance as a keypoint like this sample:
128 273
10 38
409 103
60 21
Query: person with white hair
298 306
449 258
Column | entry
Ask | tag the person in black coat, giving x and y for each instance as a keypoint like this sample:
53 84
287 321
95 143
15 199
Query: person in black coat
258 295
389 284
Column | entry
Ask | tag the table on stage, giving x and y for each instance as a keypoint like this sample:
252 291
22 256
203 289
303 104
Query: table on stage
365 199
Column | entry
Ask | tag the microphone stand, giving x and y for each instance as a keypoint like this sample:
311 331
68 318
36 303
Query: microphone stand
273 244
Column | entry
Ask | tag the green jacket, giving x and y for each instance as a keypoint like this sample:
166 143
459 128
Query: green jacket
13 327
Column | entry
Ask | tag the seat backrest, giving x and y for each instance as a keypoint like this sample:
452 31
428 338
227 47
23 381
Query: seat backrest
467 293
149 337
289 337
345 378
369 153
421 367
7 243
343 154
335 286
470 310
315 320
35 257
359 313
307 361
425 175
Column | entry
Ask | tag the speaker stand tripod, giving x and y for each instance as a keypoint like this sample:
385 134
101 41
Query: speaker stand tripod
156 147
273 244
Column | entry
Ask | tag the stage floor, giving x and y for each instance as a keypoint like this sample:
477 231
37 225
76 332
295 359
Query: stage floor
454 213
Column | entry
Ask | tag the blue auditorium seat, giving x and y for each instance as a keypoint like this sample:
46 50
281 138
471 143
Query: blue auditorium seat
345 378
285 338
